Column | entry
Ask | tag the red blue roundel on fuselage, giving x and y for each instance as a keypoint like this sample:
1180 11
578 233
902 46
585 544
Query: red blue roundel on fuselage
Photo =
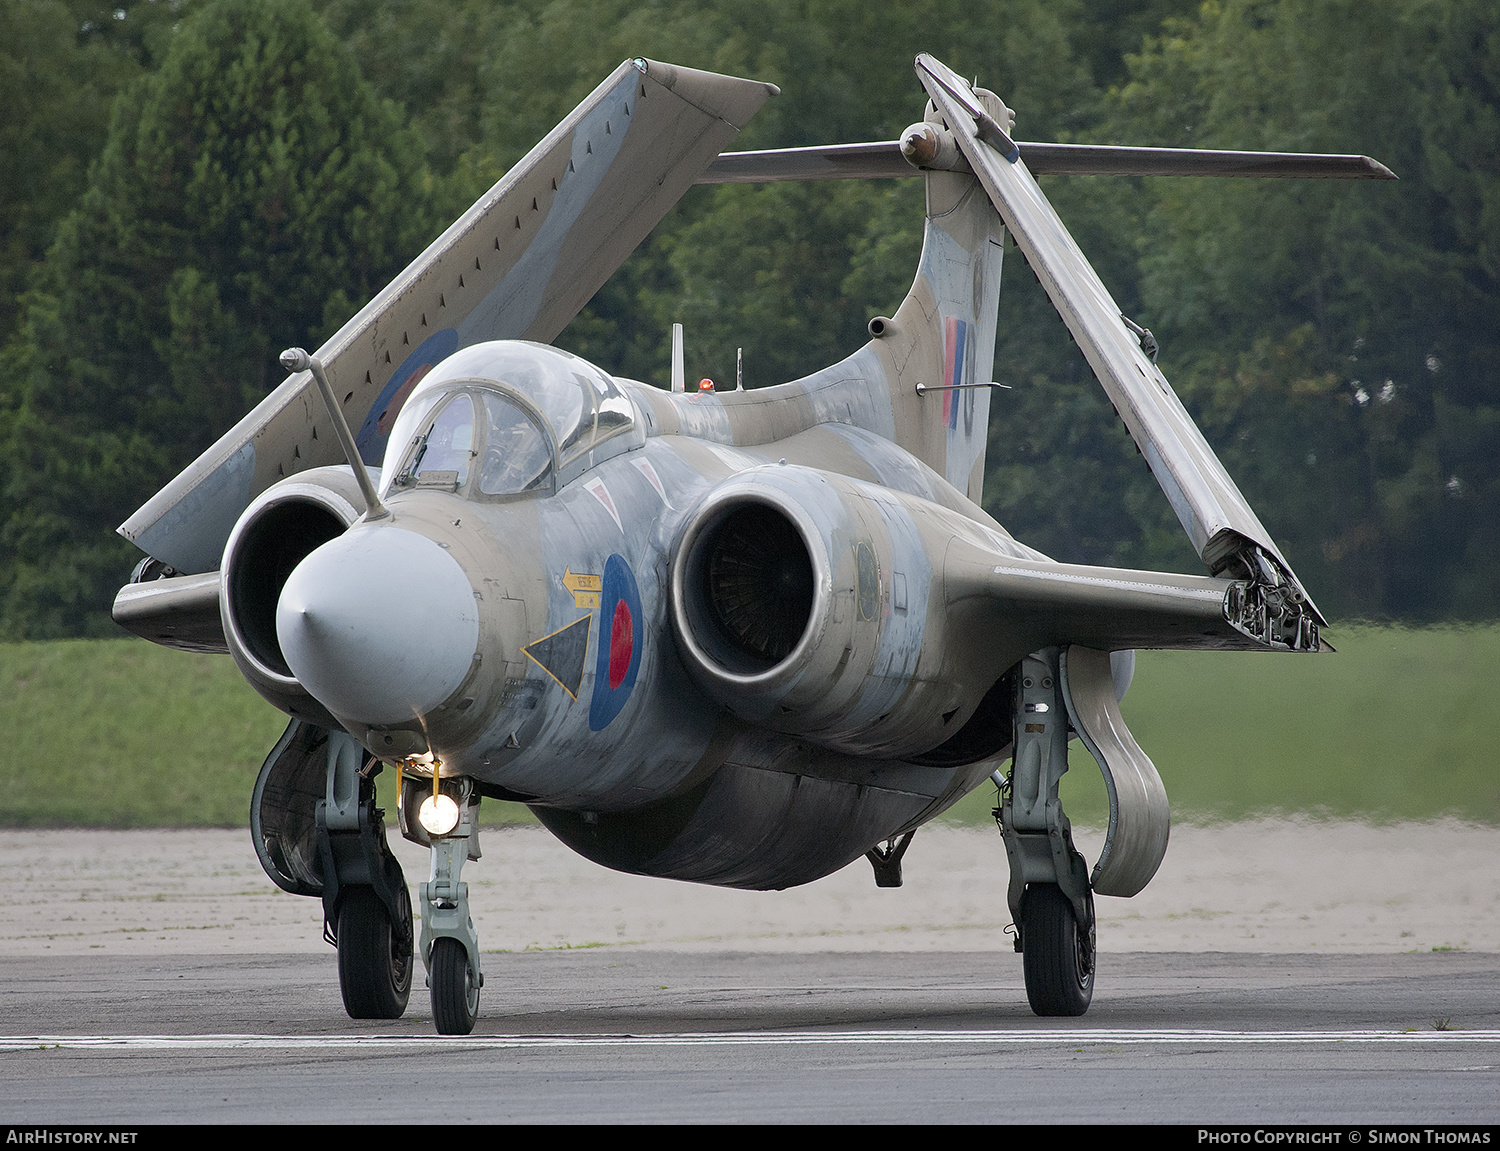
622 632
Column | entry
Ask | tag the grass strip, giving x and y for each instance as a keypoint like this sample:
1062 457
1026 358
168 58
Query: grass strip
1396 725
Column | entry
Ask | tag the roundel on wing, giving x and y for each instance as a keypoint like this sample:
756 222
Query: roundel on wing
376 428
621 634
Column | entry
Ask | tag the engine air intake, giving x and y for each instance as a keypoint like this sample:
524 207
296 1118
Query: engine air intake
758 583
268 548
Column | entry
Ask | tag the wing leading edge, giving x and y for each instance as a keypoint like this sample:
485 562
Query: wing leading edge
520 263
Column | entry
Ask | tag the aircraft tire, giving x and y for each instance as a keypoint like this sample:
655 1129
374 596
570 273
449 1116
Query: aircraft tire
1058 958
375 966
455 990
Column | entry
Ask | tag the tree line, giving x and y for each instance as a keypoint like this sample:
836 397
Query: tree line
189 186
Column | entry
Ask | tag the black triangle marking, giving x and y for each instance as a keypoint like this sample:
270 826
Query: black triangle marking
562 653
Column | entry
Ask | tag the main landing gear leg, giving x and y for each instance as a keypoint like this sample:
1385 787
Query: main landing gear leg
1050 898
450 944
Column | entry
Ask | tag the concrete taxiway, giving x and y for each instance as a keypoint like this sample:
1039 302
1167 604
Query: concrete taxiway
156 979
601 1036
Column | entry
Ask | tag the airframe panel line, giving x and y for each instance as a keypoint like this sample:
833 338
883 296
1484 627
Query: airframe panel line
1114 1037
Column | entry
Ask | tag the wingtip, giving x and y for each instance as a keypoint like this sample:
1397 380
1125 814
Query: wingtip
732 98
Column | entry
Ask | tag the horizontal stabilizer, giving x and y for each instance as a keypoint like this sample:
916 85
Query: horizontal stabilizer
519 264
1223 528
883 160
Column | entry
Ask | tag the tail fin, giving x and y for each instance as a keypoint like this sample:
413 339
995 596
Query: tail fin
942 337
943 334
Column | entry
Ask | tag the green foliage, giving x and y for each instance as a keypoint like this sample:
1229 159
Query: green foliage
269 169
250 190
61 64
1339 343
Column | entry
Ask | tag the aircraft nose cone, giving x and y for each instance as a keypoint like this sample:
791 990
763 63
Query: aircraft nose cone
380 625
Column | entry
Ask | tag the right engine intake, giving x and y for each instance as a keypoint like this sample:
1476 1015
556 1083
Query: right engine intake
277 531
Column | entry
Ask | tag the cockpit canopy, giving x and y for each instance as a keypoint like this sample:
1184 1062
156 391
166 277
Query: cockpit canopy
506 419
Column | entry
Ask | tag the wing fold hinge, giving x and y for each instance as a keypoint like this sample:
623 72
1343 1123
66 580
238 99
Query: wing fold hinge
1269 606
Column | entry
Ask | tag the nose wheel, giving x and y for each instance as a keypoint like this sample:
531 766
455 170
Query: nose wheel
455 988
450 943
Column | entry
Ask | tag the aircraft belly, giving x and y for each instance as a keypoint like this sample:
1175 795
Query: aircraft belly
777 814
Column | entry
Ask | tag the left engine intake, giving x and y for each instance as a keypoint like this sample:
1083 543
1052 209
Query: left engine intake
800 601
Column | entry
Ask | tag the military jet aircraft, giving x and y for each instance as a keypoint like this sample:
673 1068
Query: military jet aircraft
734 637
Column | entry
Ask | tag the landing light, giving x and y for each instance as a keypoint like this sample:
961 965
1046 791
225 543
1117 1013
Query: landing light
438 814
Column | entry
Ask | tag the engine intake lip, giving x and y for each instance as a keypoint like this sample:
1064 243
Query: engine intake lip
709 639
279 529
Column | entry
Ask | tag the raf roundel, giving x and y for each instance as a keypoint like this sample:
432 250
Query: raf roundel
620 633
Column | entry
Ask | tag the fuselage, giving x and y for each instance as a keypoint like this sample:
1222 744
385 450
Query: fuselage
568 690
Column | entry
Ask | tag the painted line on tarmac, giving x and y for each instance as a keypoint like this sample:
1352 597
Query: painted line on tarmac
1104 1036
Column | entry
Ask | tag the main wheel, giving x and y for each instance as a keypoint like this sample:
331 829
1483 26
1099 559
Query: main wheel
375 961
455 988
1057 956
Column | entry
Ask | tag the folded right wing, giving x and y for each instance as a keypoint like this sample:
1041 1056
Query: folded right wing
519 264
1272 606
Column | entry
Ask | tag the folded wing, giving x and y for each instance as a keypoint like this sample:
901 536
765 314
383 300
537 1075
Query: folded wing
1223 528
521 263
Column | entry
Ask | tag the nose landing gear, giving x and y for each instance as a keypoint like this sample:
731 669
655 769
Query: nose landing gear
449 942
